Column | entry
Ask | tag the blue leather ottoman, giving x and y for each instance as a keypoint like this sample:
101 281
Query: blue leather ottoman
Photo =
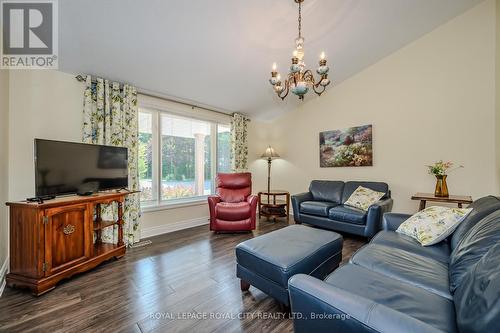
268 261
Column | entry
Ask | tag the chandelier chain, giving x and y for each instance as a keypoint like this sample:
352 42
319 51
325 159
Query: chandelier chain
300 19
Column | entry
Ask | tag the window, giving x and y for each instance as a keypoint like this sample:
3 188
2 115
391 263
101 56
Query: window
223 148
146 156
179 156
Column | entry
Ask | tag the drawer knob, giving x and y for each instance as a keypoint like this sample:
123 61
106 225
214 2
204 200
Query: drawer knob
69 229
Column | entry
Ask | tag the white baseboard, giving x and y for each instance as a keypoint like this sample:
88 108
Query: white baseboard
171 227
3 273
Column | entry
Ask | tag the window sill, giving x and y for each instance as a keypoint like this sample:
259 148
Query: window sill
174 204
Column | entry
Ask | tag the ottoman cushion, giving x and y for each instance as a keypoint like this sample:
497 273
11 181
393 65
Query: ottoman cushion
295 249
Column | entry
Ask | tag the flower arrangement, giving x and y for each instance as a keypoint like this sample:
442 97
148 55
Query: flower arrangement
441 168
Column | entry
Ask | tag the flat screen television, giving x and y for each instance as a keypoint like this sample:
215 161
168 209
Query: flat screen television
69 167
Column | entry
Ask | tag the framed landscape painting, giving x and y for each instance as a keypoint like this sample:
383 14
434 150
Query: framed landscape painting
346 147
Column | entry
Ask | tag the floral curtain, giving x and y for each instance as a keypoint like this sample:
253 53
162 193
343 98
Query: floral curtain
110 118
239 143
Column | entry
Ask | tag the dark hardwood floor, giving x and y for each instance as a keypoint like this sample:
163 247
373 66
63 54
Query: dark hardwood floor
183 282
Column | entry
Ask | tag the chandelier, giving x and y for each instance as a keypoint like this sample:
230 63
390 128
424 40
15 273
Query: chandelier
300 79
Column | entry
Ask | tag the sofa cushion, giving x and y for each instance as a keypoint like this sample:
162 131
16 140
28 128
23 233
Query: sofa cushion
327 190
232 211
473 246
433 224
350 187
363 198
318 208
477 301
480 208
272 255
413 301
404 266
439 252
348 214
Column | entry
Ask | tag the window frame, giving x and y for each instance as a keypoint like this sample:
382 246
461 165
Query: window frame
157 203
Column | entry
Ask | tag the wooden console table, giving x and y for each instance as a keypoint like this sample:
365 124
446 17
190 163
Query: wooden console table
272 207
53 240
458 199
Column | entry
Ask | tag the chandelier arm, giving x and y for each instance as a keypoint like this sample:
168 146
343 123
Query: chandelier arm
319 92
308 76
319 82
286 90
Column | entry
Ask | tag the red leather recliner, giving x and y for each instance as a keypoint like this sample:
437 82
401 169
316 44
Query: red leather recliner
233 208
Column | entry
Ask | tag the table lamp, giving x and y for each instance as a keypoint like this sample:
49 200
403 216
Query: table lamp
269 154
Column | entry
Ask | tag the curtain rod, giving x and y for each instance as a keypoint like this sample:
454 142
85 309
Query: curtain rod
82 78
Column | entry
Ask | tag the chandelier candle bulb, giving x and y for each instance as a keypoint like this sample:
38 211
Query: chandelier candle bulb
322 56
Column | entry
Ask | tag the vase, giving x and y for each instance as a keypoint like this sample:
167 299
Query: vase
441 186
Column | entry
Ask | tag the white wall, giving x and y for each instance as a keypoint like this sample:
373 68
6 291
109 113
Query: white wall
4 131
433 99
43 104
497 68
48 104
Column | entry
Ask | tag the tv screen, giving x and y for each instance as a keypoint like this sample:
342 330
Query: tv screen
68 167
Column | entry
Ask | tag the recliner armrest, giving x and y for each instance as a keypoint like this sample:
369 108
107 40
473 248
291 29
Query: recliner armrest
252 200
392 221
213 200
297 199
338 310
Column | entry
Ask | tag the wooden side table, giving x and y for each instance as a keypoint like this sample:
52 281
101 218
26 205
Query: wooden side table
458 199
274 204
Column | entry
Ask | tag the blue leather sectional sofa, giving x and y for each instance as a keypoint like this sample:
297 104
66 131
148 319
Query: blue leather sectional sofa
323 206
393 284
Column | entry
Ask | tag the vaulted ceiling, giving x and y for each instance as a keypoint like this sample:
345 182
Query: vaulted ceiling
219 53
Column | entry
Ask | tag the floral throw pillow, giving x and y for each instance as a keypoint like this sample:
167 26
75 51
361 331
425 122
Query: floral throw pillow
433 224
363 198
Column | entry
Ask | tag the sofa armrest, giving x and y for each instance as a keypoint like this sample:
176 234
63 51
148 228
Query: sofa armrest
321 307
391 221
374 217
297 199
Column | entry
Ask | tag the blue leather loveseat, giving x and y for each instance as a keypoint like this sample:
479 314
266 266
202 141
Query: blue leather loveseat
323 206
393 284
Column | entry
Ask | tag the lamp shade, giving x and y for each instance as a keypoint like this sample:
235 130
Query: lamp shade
270 153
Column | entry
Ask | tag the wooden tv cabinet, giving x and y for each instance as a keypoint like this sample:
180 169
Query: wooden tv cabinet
58 238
